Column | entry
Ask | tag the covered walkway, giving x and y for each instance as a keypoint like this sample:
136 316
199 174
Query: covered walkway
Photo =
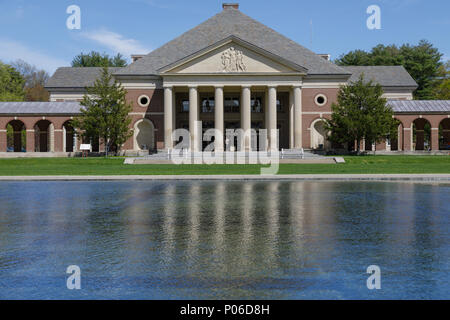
42 127
424 125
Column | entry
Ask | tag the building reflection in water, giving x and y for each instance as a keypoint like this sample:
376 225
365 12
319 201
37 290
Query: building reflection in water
246 229
272 214
218 225
229 239
168 224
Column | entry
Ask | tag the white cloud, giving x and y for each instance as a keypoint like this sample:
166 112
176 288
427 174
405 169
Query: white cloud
13 50
116 42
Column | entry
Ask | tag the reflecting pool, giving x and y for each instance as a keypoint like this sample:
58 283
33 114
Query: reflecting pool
224 240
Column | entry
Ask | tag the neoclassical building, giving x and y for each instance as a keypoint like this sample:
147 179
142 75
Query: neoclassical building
229 72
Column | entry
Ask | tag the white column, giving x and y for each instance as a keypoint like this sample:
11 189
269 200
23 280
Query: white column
75 143
298 144
218 119
51 138
193 118
266 117
291 119
246 115
64 131
273 137
168 120
174 110
411 136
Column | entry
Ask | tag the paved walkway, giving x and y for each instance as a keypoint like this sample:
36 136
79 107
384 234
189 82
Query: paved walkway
290 177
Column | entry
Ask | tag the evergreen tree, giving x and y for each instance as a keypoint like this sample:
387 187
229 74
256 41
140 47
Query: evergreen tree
105 113
96 59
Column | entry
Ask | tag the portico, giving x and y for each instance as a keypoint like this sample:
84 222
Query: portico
233 106
233 84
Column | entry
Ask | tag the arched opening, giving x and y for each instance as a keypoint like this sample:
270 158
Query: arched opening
69 137
16 136
421 134
368 145
444 134
397 140
94 141
144 135
43 131
319 135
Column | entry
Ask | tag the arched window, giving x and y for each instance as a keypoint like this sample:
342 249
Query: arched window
144 135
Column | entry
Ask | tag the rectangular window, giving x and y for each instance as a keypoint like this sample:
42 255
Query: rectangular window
279 106
256 105
208 105
232 104
282 102
185 106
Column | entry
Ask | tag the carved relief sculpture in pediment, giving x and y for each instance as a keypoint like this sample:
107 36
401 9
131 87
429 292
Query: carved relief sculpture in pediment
233 61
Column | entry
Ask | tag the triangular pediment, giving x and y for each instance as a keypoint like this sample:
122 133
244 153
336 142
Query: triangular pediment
232 56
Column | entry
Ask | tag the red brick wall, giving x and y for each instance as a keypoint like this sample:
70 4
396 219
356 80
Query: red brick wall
156 99
308 99
154 114
312 111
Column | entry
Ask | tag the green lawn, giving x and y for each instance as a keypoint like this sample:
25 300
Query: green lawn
115 166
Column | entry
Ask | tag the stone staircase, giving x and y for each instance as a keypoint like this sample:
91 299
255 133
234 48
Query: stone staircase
299 154
283 154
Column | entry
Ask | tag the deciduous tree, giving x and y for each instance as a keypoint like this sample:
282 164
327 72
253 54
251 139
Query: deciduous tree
35 80
442 85
11 84
422 61
360 113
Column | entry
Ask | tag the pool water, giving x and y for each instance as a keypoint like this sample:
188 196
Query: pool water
224 240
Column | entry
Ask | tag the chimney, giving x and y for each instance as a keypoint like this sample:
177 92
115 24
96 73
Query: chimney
230 5
136 57
325 56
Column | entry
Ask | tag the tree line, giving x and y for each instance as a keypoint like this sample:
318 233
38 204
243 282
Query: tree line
21 81
422 61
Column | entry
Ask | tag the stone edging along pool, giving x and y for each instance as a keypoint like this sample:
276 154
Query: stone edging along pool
290 177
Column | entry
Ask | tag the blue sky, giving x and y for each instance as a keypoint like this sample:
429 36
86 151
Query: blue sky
35 30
